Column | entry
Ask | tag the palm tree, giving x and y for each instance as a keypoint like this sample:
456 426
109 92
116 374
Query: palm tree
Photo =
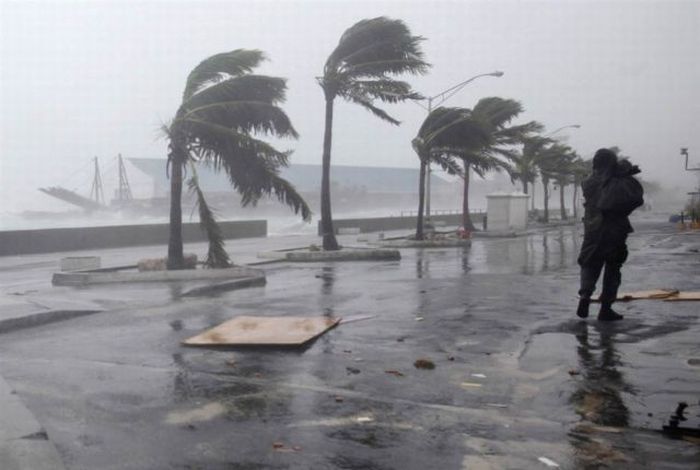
222 107
523 170
360 70
551 159
443 130
481 138
580 169
564 177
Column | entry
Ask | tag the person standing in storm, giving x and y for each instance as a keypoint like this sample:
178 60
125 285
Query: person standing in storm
611 193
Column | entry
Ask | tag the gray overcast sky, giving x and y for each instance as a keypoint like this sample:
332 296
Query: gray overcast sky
80 79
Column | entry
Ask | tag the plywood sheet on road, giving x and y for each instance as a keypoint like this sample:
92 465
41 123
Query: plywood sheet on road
648 294
264 331
684 296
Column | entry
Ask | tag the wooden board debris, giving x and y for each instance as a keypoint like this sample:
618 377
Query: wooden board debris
648 294
684 296
654 294
264 331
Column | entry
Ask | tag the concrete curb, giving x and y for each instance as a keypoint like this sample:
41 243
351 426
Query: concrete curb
225 286
500 234
24 443
83 278
41 318
424 243
345 254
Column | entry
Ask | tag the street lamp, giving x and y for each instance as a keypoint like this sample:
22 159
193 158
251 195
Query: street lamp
570 126
437 100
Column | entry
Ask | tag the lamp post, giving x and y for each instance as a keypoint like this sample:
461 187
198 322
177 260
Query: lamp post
437 100
694 195
570 126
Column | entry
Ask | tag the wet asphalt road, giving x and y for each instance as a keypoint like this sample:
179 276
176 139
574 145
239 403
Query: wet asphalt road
117 390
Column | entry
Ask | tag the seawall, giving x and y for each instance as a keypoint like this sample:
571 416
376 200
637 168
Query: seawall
20 242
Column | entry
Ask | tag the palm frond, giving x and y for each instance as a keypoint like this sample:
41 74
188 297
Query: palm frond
216 255
218 66
385 43
260 88
366 103
243 116
389 91
213 142
447 162
251 165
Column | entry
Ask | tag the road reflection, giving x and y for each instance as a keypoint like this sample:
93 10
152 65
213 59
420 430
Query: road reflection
598 399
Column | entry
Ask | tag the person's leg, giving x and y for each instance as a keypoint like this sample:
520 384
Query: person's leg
590 272
611 283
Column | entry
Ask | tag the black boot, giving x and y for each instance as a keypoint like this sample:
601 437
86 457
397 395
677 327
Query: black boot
582 310
608 314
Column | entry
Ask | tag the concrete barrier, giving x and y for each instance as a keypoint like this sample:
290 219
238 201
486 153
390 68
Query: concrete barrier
21 242
379 224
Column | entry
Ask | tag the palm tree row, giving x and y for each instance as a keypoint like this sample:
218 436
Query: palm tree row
225 109
554 163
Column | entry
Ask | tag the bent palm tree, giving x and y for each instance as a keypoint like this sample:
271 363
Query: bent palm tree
481 138
443 130
563 178
222 107
359 70
580 169
494 114
551 161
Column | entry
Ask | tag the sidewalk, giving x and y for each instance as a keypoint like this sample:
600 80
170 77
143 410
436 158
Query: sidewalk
24 444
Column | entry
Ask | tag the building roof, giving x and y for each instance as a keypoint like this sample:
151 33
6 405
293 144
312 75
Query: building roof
307 178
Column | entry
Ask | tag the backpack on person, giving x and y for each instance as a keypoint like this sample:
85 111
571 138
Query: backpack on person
622 193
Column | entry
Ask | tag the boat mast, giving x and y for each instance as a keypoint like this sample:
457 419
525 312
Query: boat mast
96 192
124 192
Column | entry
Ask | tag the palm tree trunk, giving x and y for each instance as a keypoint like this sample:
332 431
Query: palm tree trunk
545 184
329 241
562 209
574 200
532 199
524 186
421 201
176 259
466 218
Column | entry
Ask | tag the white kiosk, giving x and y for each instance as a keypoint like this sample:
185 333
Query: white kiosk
506 211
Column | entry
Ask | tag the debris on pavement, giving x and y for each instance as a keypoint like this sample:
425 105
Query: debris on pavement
657 294
470 385
548 462
479 376
352 370
268 331
574 372
424 364
420 318
647 294
281 447
364 419
394 372
682 296
355 318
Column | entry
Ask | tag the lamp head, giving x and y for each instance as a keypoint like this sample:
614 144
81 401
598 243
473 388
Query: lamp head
497 73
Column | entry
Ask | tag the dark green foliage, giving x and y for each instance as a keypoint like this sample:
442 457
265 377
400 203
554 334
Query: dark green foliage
360 70
216 256
224 106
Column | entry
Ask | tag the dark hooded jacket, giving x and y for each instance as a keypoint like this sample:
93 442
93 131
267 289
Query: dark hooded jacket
605 231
